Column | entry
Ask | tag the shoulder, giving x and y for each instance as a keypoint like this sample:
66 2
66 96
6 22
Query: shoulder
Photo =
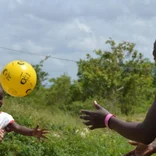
5 114
5 119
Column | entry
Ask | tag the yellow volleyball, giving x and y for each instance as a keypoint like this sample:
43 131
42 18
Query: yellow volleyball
18 78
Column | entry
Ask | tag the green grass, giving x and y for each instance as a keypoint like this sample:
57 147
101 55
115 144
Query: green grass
67 137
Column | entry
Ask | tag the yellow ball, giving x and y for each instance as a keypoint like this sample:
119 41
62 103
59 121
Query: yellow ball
18 78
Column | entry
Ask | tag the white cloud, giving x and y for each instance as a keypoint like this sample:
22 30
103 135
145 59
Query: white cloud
71 29
83 27
19 1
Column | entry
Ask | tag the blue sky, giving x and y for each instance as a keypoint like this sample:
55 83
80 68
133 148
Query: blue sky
72 28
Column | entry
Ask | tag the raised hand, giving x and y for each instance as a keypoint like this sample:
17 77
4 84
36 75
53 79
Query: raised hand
94 119
39 133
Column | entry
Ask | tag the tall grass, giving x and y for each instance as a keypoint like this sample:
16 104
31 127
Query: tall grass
67 137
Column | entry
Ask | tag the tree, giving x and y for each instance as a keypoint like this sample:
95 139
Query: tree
120 67
41 75
59 91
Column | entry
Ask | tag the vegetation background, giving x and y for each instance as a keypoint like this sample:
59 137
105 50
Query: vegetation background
119 78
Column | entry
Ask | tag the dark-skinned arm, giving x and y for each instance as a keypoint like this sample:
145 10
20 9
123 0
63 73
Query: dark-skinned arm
36 132
19 129
144 132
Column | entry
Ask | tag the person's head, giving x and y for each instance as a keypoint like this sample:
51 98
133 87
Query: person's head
1 96
154 51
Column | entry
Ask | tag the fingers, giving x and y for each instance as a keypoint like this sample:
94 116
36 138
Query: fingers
1 135
88 123
134 143
148 152
131 153
39 139
85 117
91 127
97 106
45 137
36 127
42 136
45 132
86 112
2 131
95 102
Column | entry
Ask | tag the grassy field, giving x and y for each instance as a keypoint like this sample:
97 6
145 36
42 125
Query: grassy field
67 137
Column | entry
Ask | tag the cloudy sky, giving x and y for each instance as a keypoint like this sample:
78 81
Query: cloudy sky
70 29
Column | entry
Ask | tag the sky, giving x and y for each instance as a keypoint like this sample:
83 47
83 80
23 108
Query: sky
71 29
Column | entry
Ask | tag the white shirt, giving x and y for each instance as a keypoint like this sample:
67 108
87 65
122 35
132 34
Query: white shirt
5 119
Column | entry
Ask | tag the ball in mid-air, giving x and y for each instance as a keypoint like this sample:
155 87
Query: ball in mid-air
18 78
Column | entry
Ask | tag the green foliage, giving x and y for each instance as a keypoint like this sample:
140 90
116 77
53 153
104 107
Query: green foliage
67 135
41 75
120 74
123 68
120 79
59 91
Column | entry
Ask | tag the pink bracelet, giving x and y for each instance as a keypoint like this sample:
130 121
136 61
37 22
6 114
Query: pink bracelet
107 118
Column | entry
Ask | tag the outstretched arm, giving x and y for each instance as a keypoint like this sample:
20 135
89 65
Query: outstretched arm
36 132
144 132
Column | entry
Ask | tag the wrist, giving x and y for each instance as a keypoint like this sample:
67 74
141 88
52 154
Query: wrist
32 133
107 119
113 122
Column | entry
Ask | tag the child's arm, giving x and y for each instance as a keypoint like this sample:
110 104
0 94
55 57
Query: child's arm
36 132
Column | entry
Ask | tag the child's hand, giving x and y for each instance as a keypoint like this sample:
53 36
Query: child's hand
39 133
1 135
